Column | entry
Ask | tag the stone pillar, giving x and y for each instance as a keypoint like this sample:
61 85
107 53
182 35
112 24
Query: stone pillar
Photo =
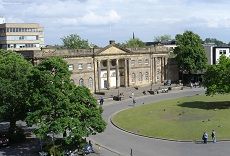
126 72
117 73
108 74
154 70
99 74
166 68
95 75
162 69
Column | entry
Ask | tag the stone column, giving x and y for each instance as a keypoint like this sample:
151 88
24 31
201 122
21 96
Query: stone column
166 68
154 70
99 74
117 73
162 70
108 73
126 72
95 75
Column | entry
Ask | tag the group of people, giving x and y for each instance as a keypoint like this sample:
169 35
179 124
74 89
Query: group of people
205 137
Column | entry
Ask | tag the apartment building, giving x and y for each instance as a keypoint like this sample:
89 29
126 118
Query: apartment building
21 36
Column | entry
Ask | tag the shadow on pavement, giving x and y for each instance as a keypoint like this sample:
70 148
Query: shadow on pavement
28 148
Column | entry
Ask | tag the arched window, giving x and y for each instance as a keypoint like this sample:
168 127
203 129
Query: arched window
90 82
133 77
140 76
81 82
147 76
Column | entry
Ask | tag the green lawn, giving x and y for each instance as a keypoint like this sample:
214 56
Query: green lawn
182 119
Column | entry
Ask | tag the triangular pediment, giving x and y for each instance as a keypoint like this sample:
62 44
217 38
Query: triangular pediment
113 50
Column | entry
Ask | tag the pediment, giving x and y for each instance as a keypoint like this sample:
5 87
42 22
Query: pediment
113 50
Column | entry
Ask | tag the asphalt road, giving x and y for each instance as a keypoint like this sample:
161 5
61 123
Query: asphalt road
114 141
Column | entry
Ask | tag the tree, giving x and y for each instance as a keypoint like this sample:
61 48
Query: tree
216 78
14 72
74 41
190 54
162 38
134 43
215 41
57 105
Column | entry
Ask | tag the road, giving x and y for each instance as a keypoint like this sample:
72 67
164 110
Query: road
114 141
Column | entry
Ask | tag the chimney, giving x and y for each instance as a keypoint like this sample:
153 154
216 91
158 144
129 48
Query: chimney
112 42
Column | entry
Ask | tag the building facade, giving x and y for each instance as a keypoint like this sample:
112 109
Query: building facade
21 36
214 52
113 66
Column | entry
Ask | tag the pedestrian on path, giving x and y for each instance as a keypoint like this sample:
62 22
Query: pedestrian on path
213 136
205 137
134 101
101 100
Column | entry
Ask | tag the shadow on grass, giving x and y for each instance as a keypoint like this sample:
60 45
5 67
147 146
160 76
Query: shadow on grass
207 105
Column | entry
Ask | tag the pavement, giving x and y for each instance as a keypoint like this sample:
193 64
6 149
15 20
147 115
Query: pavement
114 141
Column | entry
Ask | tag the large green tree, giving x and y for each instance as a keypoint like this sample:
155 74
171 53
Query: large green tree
190 54
14 72
134 43
216 78
57 105
74 41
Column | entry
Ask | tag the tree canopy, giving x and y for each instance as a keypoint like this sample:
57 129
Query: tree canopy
190 54
134 43
215 41
57 105
163 38
14 72
74 41
216 78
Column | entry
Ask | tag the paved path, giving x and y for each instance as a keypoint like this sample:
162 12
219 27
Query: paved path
113 139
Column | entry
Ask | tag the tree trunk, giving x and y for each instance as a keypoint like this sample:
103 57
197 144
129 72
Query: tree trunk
12 127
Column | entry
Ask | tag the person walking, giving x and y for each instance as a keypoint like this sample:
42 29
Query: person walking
205 137
101 100
213 136
134 101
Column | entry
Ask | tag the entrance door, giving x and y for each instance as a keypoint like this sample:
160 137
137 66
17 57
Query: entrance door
105 83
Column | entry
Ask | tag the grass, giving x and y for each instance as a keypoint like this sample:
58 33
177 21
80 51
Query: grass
181 119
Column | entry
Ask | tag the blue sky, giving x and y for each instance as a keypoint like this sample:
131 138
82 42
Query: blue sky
102 20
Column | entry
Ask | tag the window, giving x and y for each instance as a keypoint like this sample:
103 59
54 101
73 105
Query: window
70 67
146 61
133 62
80 66
139 61
113 74
140 76
89 65
147 76
224 51
220 52
90 82
133 77
81 82
104 75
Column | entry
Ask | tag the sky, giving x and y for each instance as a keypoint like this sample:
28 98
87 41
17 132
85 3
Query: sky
99 21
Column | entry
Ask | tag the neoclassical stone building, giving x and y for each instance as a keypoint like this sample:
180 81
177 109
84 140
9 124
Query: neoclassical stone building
113 66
